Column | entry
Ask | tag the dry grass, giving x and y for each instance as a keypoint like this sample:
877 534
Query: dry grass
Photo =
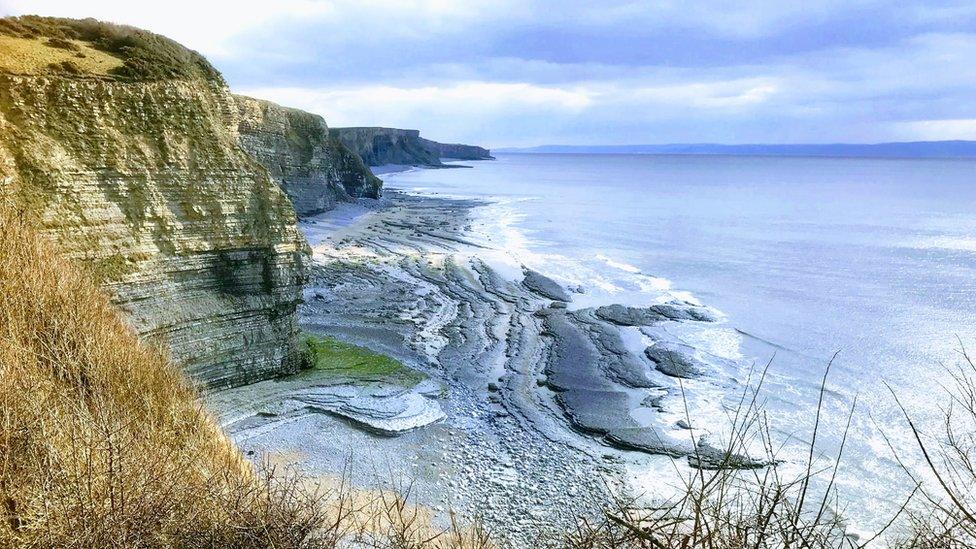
144 56
35 55
389 519
945 516
102 442
729 509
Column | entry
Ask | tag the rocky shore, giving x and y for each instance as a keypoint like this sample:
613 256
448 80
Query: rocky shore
539 408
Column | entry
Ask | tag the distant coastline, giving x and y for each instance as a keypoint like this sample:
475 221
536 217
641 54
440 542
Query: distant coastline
913 149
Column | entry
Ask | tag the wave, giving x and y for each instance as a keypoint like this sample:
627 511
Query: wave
618 265
765 341
947 242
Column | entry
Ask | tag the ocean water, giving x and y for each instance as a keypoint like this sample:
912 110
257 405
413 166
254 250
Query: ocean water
871 259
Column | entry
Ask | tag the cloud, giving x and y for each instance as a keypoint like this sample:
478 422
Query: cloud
924 130
705 95
462 96
836 94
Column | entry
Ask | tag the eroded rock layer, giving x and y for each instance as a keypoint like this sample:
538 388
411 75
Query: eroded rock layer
379 146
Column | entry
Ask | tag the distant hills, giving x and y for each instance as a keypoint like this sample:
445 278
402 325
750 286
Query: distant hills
913 149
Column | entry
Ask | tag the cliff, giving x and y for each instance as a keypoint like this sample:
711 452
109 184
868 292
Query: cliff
379 146
315 169
457 151
126 149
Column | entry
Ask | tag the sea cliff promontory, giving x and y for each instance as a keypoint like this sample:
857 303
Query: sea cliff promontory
457 151
381 146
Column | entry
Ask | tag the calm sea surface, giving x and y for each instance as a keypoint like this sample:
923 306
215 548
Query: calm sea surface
871 258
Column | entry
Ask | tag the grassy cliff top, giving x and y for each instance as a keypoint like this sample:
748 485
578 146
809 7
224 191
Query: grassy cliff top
87 47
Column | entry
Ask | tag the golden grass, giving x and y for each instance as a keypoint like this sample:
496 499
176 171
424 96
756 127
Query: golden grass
34 56
102 442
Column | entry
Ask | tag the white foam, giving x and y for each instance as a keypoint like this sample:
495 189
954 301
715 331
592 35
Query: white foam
722 342
653 284
618 264
497 226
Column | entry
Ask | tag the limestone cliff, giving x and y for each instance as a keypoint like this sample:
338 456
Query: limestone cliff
379 146
315 169
125 147
455 151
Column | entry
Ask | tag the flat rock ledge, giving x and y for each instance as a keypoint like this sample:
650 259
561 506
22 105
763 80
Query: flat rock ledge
622 315
709 457
547 403
383 409
675 359
379 407
546 287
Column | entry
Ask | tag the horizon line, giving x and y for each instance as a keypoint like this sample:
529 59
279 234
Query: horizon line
748 144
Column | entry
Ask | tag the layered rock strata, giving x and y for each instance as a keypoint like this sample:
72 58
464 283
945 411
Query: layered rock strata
140 175
133 155
549 403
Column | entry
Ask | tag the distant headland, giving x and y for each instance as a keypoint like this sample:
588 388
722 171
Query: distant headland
912 149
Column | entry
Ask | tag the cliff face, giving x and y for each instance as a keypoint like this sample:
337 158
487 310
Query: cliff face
459 152
315 169
143 177
379 146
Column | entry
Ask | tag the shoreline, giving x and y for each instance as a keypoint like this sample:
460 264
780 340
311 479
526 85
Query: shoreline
539 398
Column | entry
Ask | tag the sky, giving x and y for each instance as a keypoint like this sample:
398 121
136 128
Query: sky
533 72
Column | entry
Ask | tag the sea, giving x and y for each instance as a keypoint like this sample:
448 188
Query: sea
865 264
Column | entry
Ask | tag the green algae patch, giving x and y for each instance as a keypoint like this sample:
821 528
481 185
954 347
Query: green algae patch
326 354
